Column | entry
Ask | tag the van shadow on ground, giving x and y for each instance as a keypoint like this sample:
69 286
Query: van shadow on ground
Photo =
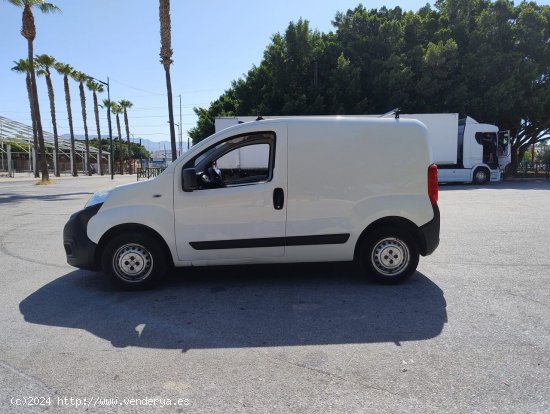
250 306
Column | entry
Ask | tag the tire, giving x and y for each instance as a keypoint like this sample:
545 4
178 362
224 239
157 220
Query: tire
388 256
133 261
481 176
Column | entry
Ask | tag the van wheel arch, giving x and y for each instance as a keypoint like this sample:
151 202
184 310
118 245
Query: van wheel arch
388 255
400 223
131 228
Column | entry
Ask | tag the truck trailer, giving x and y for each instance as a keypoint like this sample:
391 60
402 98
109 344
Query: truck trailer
464 150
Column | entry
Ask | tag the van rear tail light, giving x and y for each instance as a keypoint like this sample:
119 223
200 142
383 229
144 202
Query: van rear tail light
433 186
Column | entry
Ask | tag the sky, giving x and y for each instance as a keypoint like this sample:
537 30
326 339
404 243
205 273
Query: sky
214 43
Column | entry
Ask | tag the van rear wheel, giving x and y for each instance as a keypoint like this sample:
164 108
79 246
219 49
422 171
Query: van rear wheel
133 261
388 256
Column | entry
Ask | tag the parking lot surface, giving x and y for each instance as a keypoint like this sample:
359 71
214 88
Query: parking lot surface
468 333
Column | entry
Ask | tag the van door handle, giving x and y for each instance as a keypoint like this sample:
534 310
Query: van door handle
278 198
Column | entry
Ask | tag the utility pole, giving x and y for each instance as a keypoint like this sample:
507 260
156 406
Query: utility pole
180 127
140 149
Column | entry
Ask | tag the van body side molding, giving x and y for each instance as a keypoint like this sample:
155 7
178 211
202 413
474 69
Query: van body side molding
271 242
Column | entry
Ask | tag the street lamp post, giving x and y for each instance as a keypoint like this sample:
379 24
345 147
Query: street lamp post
180 128
179 133
111 157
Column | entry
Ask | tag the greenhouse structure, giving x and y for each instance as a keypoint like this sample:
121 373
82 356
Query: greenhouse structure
18 153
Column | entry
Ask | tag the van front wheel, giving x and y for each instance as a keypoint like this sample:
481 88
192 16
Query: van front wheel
388 256
133 261
481 176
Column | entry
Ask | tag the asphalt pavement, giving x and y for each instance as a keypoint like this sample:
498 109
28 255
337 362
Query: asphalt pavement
468 333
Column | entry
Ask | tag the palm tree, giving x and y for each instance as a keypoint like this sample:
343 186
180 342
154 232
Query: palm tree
125 104
109 105
117 110
66 70
96 88
28 31
22 66
81 77
166 60
44 63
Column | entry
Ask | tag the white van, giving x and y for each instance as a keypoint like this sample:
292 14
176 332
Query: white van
272 191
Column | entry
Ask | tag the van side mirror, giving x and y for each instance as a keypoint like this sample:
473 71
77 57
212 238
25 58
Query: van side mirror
189 179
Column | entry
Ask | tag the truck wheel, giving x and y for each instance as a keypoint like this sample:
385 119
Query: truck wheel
134 261
388 256
481 175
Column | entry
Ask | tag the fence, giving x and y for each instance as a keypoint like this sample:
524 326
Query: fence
149 172
536 170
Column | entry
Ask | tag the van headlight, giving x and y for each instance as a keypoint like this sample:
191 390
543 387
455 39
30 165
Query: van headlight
98 197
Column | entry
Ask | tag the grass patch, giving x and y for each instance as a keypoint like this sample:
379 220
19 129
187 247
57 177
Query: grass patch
45 182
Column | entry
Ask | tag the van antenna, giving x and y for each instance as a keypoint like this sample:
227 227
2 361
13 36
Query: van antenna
397 113
260 118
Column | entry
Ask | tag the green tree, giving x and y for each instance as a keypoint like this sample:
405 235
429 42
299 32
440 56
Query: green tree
345 87
439 67
125 105
109 105
22 66
96 88
166 60
81 78
140 151
505 61
117 110
67 70
19 147
532 44
45 63
28 31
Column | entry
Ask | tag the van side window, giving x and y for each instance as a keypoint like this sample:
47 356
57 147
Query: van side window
248 164
241 160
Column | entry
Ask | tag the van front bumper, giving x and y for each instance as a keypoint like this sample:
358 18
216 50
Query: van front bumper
430 233
79 249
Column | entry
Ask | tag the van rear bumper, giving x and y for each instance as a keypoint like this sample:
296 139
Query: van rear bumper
430 233
79 249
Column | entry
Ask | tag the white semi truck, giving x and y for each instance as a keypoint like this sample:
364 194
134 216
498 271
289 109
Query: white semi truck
463 149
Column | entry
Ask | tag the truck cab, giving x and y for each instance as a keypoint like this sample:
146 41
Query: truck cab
485 150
